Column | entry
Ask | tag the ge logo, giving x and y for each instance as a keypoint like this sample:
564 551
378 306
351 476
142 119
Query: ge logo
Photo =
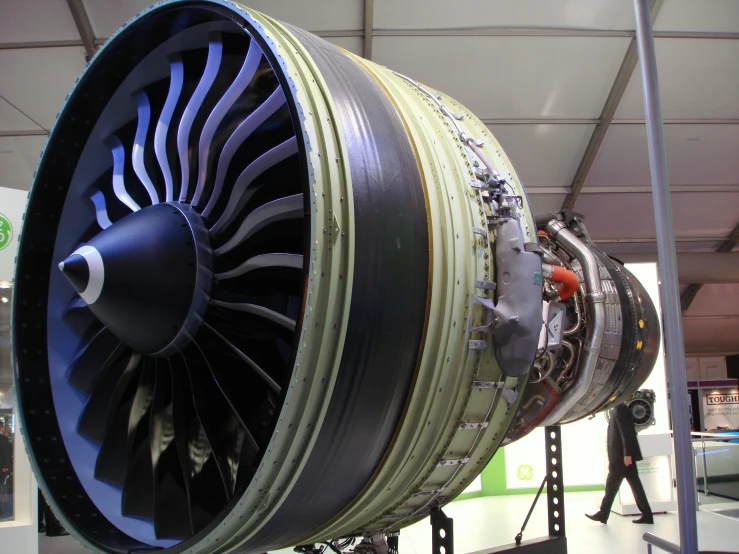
6 231
525 472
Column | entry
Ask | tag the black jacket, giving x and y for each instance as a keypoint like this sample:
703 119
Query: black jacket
622 439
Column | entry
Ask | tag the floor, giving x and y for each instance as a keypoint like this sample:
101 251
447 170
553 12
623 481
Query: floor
482 523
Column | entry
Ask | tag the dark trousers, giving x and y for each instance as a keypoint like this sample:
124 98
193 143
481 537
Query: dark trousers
616 476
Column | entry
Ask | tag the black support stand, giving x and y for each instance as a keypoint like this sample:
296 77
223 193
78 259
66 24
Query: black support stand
556 543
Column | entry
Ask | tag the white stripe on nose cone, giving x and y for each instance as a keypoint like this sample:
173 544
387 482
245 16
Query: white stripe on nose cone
97 273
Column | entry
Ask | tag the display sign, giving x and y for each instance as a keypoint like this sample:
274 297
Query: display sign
12 206
721 409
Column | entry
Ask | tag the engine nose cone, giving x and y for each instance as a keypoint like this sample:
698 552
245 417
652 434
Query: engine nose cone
147 277
76 269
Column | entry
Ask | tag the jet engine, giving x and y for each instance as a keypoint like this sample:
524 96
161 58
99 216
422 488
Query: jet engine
270 294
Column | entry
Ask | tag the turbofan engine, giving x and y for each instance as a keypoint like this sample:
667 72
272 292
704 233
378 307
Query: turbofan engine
271 294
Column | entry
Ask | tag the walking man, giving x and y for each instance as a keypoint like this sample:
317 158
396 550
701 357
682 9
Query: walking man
623 453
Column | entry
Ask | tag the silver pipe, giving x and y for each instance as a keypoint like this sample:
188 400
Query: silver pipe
575 328
669 291
595 299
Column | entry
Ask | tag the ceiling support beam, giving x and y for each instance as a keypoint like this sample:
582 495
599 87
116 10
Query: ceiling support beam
689 294
31 133
547 32
84 27
606 117
369 21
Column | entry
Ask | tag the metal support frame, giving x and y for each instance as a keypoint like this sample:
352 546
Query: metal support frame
555 482
442 526
84 27
369 18
687 297
669 291
442 532
606 117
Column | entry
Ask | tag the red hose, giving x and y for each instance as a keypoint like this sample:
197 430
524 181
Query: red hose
567 279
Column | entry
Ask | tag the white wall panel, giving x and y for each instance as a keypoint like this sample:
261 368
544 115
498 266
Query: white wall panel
107 16
541 203
696 155
37 80
629 216
711 335
13 120
511 77
716 300
36 20
698 79
436 14
19 157
353 44
699 15
544 155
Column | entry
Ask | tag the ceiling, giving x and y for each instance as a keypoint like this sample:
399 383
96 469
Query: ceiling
553 80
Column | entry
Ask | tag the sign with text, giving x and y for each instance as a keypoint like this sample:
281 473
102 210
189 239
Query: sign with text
721 409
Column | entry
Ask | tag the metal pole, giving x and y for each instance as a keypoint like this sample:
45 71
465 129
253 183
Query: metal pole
669 291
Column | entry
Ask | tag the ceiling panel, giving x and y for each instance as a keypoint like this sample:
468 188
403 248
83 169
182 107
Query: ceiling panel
698 79
36 20
511 77
544 155
625 216
19 157
353 44
107 16
13 120
702 15
696 155
543 203
706 336
37 80
716 300
435 14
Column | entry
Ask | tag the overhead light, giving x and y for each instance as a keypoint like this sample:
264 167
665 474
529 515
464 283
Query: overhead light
5 284
4 300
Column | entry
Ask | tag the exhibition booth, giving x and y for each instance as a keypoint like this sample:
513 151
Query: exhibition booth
18 519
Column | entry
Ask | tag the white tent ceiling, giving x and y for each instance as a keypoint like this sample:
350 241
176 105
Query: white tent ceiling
551 78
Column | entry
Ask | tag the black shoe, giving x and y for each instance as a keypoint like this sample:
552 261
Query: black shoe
42 529
57 532
645 520
599 517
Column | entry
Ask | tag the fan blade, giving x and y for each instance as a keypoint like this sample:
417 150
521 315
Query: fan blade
261 261
105 398
194 451
263 374
139 145
260 311
242 80
138 487
290 207
172 516
221 424
102 352
115 453
101 211
242 132
119 164
215 51
255 169
177 74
